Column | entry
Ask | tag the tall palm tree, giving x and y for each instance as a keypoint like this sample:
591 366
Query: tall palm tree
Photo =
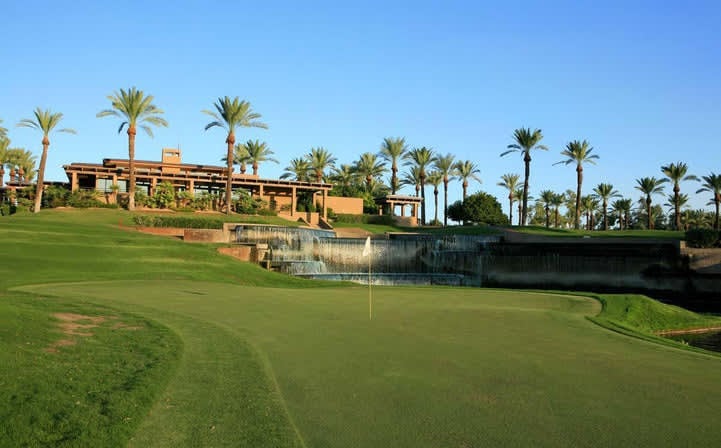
422 158
546 199
230 114
712 184
444 165
44 121
672 201
676 173
604 192
258 152
556 203
299 169
579 153
369 167
650 186
135 109
509 181
466 171
393 149
320 159
524 141
435 178
412 177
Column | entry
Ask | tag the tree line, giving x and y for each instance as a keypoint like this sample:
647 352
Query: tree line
364 177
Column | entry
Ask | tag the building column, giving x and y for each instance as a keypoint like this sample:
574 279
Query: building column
191 186
403 210
74 182
261 192
325 210
293 201
153 183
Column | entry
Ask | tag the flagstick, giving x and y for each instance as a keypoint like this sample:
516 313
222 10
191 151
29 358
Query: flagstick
370 295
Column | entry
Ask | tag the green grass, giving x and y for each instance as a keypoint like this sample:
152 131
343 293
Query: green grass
540 230
301 365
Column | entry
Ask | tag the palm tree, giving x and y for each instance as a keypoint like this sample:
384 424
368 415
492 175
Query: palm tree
590 204
44 121
510 182
369 167
604 192
344 178
465 171
240 157
320 159
230 114
393 150
525 141
556 203
435 178
672 200
676 173
547 197
712 184
518 196
258 152
413 177
299 169
578 153
650 186
422 158
135 109
3 132
444 165
19 159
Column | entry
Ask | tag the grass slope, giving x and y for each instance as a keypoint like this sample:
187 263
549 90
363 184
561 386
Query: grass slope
293 366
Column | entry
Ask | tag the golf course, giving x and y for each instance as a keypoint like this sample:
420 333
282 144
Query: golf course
111 337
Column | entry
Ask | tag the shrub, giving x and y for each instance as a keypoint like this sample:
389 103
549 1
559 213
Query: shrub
163 196
184 222
55 196
84 199
702 237
483 208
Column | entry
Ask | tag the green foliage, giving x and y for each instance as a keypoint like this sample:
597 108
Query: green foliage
702 237
183 222
483 208
55 196
141 198
84 199
456 212
364 219
163 196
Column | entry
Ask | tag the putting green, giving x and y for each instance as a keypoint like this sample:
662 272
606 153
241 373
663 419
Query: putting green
435 367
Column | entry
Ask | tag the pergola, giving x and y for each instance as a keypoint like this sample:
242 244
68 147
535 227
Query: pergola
387 204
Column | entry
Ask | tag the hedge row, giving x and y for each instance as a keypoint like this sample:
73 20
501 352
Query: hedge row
702 238
183 222
364 219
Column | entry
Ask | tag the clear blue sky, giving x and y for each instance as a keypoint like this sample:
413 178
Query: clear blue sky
640 80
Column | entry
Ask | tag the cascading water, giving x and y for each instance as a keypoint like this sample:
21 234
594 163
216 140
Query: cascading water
399 259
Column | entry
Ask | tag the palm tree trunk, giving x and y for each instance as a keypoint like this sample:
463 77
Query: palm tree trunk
435 193
555 218
229 182
676 190
579 181
394 178
445 202
423 197
131 168
548 218
510 208
717 202
520 215
605 214
648 210
41 175
524 211
255 168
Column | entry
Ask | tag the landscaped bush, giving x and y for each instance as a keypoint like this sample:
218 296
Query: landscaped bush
184 222
84 199
364 219
701 237
55 196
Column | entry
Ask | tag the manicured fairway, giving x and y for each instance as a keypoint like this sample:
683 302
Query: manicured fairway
246 365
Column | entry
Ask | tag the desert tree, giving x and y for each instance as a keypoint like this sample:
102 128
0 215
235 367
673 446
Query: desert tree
525 141
578 153
677 173
649 186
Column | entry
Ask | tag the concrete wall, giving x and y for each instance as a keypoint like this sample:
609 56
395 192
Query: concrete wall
205 236
345 206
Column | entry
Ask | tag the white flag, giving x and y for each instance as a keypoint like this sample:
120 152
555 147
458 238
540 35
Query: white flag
367 247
